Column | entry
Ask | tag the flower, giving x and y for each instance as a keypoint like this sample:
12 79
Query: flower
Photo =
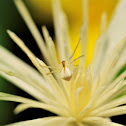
79 95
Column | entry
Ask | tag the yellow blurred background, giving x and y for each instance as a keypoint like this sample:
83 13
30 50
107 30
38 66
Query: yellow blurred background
42 13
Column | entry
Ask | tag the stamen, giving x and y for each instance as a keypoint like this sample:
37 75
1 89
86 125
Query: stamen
76 59
41 63
74 50
54 71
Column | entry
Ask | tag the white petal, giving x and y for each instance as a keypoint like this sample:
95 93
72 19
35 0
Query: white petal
116 31
48 121
113 60
50 47
117 26
61 31
104 98
23 75
103 23
17 65
111 85
77 94
32 103
33 122
60 111
50 78
32 27
83 37
98 121
100 48
25 86
111 104
85 10
113 112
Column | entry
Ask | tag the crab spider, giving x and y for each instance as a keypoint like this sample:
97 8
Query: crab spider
64 67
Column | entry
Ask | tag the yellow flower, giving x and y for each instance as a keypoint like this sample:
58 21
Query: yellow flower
79 96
